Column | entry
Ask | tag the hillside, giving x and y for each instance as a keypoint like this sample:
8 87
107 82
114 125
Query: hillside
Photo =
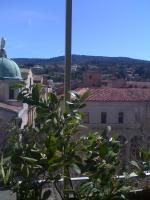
81 59
120 67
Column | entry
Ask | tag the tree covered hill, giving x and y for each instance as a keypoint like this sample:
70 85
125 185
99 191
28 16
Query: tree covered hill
117 66
82 59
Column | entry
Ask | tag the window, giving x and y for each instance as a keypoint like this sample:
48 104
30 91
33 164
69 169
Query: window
11 93
30 82
103 117
136 144
86 117
120 117
90 77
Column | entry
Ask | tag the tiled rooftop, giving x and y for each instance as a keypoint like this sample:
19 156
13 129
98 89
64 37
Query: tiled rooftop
116 94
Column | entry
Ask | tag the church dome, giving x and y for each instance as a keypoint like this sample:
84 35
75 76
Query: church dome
9 70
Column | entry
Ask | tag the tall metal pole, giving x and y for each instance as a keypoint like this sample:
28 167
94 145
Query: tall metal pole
67 82
68 36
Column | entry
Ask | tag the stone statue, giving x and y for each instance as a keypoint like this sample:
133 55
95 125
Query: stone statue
2 50
2 43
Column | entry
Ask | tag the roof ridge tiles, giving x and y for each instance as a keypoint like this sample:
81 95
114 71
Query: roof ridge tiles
117 94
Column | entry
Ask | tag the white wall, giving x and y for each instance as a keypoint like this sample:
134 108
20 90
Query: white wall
27 81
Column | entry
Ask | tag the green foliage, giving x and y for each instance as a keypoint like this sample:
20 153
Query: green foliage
142 165
101 164
53 150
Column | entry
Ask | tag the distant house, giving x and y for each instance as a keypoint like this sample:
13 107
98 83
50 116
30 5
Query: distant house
113 83
92 78
38 79
138 84
126 110
38 69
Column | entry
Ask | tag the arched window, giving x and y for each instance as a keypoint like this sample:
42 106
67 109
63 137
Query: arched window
122 155
90 77
136 145
122 139
11 93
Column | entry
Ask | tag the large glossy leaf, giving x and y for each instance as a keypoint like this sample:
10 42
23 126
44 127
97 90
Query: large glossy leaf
76 168
46 194
30 160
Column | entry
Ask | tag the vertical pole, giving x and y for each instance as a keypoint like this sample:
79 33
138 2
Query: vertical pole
67 76
67 83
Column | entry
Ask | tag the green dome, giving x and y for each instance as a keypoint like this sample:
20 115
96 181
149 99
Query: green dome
9 70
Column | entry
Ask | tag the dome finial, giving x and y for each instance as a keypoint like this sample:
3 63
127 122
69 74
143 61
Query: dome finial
2 50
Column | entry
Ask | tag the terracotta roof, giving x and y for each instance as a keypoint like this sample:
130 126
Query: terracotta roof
116 94
11 108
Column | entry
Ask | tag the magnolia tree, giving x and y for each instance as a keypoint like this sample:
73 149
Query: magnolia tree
47 155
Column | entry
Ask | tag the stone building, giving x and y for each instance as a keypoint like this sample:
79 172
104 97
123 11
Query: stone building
10 108
126 110
92 79
138 84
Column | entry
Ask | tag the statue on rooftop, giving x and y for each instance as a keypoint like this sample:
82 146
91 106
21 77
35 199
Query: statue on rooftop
2 50
2 43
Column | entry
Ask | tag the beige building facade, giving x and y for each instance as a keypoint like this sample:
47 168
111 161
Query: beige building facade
126 111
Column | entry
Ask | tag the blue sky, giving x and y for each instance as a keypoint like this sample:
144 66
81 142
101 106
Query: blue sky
35 28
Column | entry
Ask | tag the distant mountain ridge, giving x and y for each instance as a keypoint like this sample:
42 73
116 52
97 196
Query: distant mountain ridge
81 59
